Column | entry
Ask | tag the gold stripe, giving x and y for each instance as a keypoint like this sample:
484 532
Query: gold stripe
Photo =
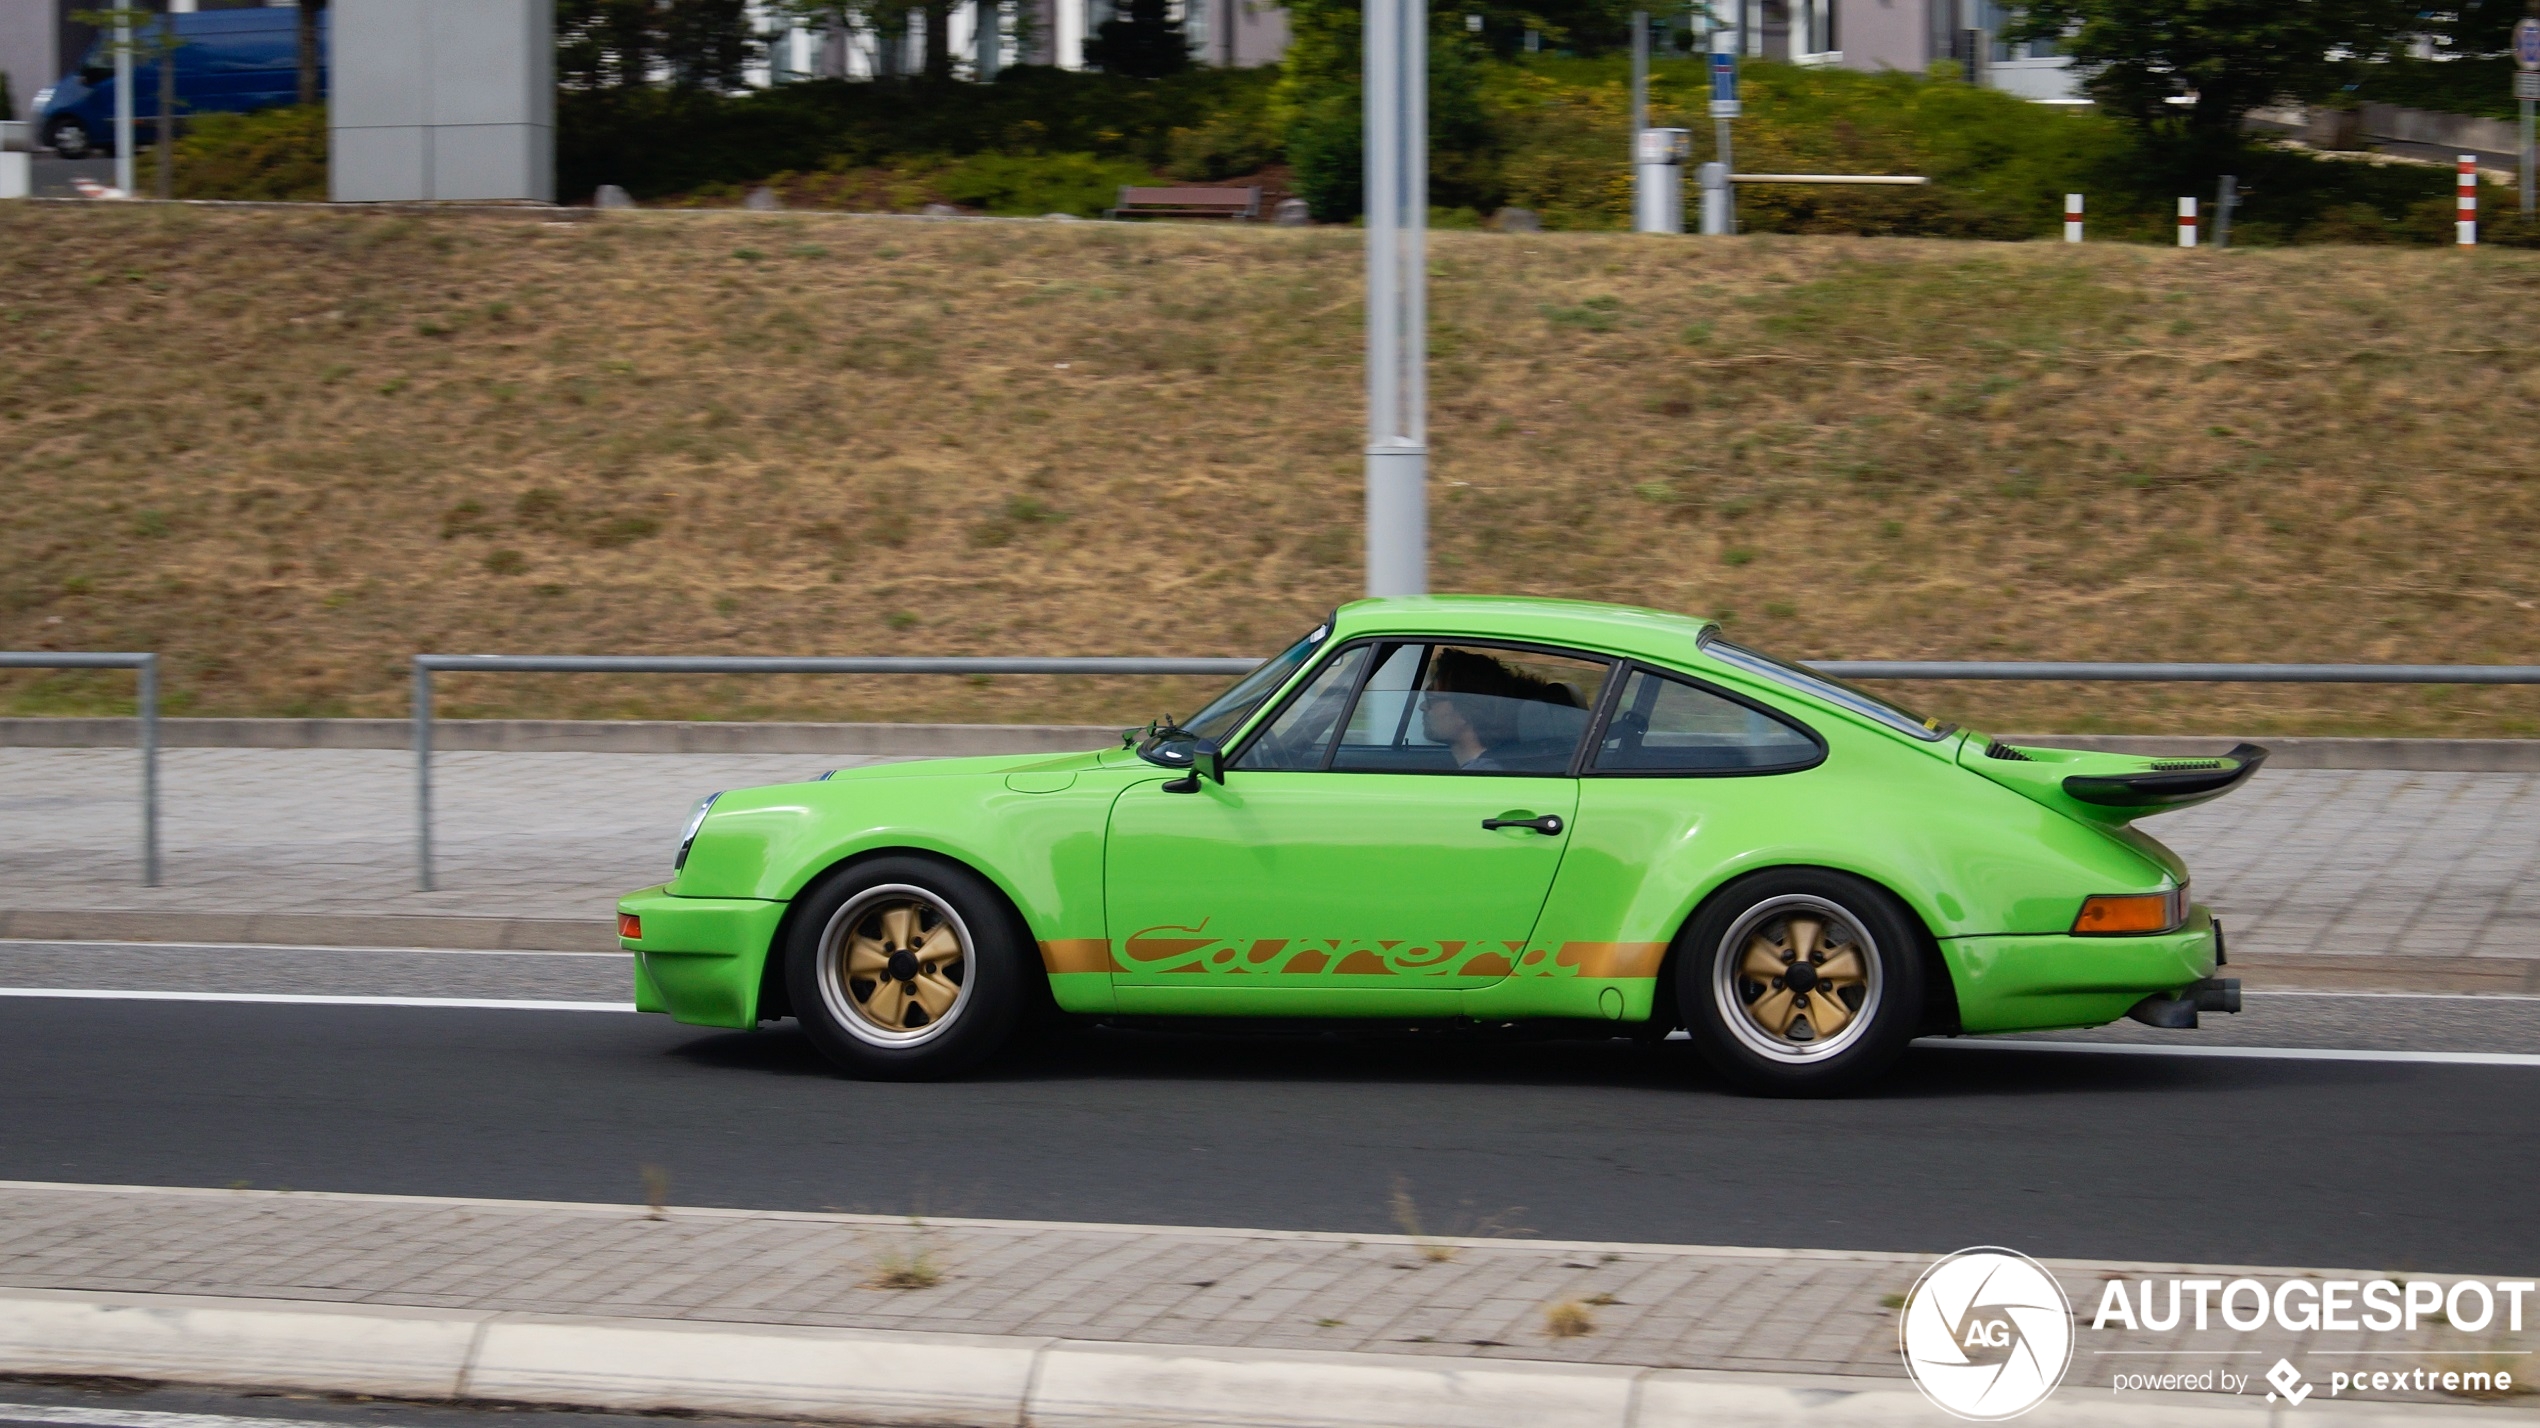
1613 959
1078 954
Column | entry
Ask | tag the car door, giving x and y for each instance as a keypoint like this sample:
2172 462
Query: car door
1369 850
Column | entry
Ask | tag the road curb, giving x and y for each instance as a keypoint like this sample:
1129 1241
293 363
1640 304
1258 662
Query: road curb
312 929
936 1380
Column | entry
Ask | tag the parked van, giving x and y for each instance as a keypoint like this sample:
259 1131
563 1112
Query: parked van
227 62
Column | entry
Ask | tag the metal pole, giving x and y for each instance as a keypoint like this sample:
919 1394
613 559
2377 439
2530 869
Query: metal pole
2226 198
1397 179
149 770
423 775
1640 72
123 96
2526 158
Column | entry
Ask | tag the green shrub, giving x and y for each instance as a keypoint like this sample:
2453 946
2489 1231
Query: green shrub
1025 185
271 156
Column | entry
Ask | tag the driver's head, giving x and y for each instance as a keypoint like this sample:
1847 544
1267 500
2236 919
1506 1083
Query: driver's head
1470 690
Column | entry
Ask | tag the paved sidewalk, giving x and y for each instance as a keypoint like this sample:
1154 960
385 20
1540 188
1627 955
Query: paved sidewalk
2317 863
1778 1311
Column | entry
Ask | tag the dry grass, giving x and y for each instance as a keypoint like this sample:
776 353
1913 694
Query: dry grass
289 450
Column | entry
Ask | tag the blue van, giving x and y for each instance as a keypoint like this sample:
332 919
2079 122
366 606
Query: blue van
227 62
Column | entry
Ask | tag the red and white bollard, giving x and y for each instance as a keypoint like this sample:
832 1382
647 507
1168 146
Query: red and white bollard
2187 223
2468 216
2072 218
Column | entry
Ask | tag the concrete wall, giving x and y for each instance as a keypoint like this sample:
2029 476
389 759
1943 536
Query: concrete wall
443 99
1884 34
30 54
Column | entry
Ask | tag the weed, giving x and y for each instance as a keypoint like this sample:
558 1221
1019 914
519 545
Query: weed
151 525
900 620
465 518
1568 1319
1329 1323
1406 1213
538 506
656 1191
748 255
505 562
911 1265
1737 555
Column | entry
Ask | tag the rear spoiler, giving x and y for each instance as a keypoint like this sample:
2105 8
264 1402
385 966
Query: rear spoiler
2168 781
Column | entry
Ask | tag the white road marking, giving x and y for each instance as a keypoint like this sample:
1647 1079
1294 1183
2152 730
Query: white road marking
139 1418
2242 1053
56 944
287 999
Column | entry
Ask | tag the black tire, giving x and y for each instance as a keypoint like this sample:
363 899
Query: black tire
889 1018
69 138
1863 952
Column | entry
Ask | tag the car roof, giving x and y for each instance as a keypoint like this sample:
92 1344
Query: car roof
1614 629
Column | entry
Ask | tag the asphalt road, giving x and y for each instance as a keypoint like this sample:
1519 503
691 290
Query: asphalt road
2377 1165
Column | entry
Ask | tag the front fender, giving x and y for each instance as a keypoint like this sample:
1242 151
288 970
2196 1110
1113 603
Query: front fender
1042 849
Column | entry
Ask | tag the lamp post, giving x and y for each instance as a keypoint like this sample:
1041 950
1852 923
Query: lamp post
1397 88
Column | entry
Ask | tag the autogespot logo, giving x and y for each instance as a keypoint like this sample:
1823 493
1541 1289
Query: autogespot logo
1987 1334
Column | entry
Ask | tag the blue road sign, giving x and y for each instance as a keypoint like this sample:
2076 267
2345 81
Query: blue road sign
2527 43
1724 102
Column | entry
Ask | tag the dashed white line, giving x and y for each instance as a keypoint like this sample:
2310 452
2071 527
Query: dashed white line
2237 1053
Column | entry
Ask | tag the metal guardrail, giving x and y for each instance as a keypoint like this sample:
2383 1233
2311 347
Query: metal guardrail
148 698
427 665
2181 673
1909 180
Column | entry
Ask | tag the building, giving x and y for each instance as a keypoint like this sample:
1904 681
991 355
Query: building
1908 35
1051 32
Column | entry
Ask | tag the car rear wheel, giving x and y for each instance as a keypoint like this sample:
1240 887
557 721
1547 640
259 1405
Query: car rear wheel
70 139
906 969
1801 982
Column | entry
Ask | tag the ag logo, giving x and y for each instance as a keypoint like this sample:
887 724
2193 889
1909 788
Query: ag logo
1987 1334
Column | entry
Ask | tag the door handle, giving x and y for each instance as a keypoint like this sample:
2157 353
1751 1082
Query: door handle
1548 825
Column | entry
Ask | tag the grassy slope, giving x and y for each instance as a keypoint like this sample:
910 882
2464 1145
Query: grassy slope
289 450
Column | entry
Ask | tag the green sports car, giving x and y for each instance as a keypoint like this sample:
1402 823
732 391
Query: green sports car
1461 808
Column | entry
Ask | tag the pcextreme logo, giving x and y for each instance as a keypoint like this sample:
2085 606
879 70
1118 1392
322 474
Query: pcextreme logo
1987 1334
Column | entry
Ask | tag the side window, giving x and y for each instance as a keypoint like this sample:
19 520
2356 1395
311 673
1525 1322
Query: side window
1470 709
1298 738
1664 725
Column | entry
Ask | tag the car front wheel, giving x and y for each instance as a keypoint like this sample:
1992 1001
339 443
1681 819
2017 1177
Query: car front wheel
906 969
70 139
1801 982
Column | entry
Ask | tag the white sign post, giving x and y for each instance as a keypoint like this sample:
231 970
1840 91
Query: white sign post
2527 89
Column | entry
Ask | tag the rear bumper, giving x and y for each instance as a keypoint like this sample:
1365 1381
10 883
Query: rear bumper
700 958
2038 983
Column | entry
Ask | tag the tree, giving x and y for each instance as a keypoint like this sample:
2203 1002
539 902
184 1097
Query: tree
1145 43
634 44
310 91
2218 58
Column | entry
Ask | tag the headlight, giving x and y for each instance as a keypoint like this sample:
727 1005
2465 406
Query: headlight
43 97
688 834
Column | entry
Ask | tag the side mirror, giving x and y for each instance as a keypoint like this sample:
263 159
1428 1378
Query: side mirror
94 75
1202 758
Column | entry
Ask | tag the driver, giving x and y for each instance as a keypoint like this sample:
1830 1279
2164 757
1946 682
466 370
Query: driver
1471 705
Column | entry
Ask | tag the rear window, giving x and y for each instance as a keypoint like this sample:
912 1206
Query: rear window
1826 687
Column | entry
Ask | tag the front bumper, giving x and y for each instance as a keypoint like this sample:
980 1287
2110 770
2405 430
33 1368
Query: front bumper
700 958
2043 983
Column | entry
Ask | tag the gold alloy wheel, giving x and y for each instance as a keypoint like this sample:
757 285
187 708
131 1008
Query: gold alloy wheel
1798 979
895 965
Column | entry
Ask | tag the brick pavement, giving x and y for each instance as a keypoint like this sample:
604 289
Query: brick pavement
1651 1305
2317 862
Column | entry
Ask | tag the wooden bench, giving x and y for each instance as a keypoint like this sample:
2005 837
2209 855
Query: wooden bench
1240 204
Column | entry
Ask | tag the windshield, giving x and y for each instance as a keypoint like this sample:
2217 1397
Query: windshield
1227 711
1827 687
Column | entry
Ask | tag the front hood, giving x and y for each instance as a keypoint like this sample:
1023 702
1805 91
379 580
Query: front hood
2110 790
